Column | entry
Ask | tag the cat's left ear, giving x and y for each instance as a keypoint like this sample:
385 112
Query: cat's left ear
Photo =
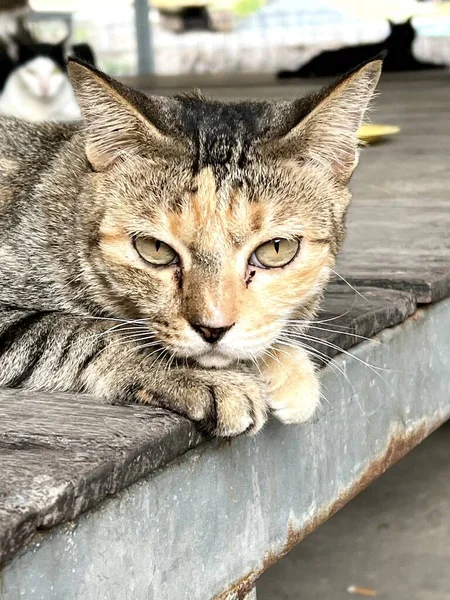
118 120
327 134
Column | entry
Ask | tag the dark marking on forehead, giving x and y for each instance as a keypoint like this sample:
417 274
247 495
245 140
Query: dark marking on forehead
224 135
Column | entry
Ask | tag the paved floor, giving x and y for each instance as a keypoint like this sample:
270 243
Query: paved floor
394 538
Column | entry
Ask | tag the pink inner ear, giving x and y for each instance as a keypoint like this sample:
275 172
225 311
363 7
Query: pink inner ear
101 161
328 134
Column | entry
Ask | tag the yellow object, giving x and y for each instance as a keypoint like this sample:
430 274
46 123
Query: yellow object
373 133
361 591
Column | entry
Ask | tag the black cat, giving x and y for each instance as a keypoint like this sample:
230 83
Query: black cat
6 64
399 57
84 52
27 51
28 48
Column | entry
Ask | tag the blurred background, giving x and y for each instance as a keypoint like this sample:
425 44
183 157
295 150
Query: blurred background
174 37
162 45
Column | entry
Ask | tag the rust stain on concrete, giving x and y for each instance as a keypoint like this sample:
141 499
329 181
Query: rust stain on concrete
399 445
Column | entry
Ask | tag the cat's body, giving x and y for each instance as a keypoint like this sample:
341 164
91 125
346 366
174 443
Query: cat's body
38 89
397 46
157 251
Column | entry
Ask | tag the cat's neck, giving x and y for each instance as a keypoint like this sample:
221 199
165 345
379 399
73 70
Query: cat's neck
18 102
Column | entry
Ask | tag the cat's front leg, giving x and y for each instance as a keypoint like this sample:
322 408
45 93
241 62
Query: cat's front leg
224 403
294 389
62 352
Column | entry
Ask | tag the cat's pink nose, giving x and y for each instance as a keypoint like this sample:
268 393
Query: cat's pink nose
210 334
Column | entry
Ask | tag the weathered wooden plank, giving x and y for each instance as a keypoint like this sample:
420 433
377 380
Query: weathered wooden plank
347 317
428 278
207 526
62 454
398 246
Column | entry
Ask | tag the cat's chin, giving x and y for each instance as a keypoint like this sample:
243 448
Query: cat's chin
214 360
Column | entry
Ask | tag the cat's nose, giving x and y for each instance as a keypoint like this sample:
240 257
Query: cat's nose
210 334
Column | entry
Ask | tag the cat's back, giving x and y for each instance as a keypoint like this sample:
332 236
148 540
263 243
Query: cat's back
332 63
32 144
27 152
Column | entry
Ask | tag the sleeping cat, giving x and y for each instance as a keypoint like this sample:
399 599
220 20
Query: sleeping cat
398 48
168 250
38 88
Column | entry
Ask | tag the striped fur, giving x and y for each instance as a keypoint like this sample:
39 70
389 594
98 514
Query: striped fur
81 311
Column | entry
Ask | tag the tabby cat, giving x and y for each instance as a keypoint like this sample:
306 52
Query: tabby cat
161 251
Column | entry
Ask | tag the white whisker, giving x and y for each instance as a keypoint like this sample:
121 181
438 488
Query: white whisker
349 284
349 333
335 347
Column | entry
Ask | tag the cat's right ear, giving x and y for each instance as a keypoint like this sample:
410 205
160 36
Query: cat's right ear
327 134
116 126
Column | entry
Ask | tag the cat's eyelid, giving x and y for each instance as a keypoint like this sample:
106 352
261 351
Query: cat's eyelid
157 235
181 251
324 241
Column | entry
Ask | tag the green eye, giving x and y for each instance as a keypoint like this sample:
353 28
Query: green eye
275 253
154 251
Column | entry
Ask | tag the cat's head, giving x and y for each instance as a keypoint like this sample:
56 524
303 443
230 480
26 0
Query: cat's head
217 222
41 68
402 34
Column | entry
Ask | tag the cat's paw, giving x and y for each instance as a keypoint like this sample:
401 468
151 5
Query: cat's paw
240 403
297 400
222 403
294 389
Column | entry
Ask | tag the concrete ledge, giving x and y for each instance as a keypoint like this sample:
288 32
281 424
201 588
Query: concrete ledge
208 524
